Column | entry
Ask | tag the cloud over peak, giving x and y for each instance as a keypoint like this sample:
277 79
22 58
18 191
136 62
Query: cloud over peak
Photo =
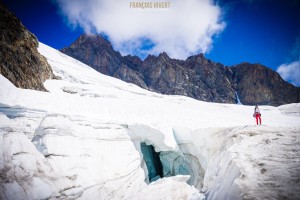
181 29
290 72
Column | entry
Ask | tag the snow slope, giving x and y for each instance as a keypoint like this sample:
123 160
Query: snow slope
82 140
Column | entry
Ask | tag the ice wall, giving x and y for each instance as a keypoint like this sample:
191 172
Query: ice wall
171 163
179 159
80 158
182 164
69 157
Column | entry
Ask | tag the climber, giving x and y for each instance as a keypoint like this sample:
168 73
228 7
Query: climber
257 114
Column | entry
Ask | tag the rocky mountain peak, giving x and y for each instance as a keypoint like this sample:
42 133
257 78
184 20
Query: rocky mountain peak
95 51
133 61
198 59
163 55
20 61
150 58
92 40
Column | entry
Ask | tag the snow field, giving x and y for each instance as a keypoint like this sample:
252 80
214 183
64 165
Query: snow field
82 140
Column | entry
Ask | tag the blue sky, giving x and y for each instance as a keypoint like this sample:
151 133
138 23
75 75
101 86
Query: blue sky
258 32
254 31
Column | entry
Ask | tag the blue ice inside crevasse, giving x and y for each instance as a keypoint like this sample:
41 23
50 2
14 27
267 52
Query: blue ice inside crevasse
152 160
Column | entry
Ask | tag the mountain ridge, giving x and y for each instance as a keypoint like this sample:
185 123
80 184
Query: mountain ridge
196 77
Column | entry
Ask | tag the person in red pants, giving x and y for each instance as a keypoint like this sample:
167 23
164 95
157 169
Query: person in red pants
257 115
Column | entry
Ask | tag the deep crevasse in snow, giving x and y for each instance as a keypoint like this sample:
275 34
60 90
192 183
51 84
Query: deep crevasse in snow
82 140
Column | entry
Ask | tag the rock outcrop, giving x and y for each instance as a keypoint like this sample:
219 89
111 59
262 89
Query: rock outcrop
20 62
196 77
258 84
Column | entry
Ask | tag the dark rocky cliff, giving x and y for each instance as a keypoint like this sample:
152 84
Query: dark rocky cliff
258 84
20 62
196 77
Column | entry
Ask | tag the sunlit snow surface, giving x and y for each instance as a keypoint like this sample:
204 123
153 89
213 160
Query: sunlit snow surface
81 140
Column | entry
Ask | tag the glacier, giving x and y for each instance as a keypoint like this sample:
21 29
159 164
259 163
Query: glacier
91 136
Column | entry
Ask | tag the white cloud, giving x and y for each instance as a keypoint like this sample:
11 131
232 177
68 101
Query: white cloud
184 29
290 72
